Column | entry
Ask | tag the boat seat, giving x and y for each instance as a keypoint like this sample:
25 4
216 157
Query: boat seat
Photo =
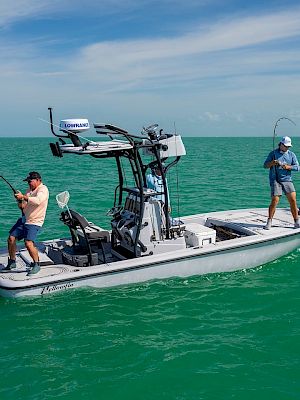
84 233
94 232
83 227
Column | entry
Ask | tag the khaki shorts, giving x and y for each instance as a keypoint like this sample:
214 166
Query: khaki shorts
278 187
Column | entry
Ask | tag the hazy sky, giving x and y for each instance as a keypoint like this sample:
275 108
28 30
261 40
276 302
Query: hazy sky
212 67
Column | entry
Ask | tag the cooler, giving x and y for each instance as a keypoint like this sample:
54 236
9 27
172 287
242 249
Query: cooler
199 235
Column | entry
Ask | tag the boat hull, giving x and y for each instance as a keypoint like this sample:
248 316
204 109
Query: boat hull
226 258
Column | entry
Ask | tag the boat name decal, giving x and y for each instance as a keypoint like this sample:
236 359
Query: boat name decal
55 288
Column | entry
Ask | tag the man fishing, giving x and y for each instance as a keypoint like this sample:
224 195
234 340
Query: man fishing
282 162
34 206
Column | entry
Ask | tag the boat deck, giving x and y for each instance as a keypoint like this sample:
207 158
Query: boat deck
252 219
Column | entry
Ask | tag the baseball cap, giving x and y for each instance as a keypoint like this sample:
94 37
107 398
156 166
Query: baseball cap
32 175
286 140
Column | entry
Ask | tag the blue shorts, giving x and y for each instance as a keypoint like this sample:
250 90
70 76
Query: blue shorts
21 230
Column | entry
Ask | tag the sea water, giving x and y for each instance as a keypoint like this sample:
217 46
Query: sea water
219 336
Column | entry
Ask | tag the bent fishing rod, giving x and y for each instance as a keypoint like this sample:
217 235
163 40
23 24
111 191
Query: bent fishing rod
12 188
274 135
15 191
276 126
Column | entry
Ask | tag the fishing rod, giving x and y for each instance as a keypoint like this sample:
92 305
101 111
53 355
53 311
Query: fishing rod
274 135
276 126
15 191
12 188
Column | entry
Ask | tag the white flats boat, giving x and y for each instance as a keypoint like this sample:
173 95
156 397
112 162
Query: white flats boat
144 242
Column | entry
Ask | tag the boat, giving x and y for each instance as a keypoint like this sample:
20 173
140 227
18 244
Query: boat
144 242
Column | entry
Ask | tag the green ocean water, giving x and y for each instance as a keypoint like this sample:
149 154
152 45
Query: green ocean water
220 336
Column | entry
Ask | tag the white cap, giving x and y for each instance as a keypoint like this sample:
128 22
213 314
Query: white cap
286 140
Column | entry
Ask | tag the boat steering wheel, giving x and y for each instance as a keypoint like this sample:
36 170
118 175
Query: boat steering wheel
112 212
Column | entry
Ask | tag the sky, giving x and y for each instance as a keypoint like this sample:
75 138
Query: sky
206 67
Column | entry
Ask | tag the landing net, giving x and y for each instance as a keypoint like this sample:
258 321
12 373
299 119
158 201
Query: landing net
62 199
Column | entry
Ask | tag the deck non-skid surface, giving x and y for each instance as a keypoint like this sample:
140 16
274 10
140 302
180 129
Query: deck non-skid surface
20 273
256 220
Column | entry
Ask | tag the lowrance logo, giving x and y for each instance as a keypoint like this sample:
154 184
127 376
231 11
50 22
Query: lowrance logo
80 125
